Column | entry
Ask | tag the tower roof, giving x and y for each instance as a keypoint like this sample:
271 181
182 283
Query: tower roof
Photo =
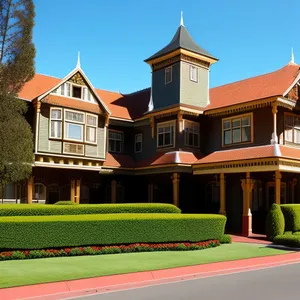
181 40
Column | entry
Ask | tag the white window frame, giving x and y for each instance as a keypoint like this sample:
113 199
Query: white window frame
193 72
135 142
250 115
122 141
166 124
189 126
171 72
55 120
78 86
91 126
66 122
293 128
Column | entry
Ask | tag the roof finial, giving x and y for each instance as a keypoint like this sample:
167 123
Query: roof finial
181 19
292 56
78 61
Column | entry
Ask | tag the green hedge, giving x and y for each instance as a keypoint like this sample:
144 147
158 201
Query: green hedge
275 222
289 240
226 239
68 202
107 229
84 209
291 214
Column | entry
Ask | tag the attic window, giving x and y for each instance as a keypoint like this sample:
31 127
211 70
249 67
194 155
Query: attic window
76 91
168 75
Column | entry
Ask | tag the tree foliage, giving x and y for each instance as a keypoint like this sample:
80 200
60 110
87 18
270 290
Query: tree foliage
17 55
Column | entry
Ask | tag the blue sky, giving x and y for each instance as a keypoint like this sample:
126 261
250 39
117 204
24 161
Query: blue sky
115 36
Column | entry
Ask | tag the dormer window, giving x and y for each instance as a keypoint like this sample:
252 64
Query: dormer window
168 75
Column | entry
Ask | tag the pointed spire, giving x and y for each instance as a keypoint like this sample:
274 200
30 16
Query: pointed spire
78 61
150 105
181 19
292 56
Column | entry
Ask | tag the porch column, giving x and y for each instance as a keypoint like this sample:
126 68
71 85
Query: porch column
72 192
77 192
222 195
150 192
113 191
29 189
247 187
175 179
277 186
274 139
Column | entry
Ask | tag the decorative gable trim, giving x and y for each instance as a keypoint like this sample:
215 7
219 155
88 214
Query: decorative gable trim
292 85
72 75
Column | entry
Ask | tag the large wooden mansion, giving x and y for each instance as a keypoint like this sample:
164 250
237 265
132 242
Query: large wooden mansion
233 149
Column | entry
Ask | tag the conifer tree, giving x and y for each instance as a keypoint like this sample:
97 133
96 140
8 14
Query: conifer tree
17 54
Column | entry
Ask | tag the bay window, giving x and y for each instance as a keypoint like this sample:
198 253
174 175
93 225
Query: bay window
74 123
166 134
191 133
91 128
55 123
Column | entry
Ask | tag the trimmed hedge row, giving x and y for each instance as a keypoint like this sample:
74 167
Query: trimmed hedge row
291 214
107 229
288 239
275 223
65 202
85 209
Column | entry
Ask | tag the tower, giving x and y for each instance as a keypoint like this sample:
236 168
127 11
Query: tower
180 73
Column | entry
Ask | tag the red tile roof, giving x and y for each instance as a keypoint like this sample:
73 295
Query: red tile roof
173 157
125 161
37 86
133 106
249 153
71 103
259 87
114 160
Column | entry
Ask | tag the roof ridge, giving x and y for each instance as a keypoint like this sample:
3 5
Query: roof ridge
256 76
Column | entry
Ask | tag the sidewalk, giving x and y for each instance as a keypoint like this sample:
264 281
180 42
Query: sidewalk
83 287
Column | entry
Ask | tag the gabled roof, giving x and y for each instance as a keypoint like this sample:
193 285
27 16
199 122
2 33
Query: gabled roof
181 40
133 106
254 88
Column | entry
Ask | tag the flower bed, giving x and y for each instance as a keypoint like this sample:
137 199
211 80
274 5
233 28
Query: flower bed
100 250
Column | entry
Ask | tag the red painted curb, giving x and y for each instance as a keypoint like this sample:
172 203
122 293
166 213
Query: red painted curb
64 289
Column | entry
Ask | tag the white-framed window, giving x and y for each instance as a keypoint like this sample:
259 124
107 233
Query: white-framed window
168 75
91 128
138 142
292 128
193 73
166 134
115 141
55 123
74 125
191 133
237 129
65 89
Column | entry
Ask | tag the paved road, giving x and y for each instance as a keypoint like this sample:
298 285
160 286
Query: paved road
273 283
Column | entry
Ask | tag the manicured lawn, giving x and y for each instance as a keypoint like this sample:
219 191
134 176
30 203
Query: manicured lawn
24 272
